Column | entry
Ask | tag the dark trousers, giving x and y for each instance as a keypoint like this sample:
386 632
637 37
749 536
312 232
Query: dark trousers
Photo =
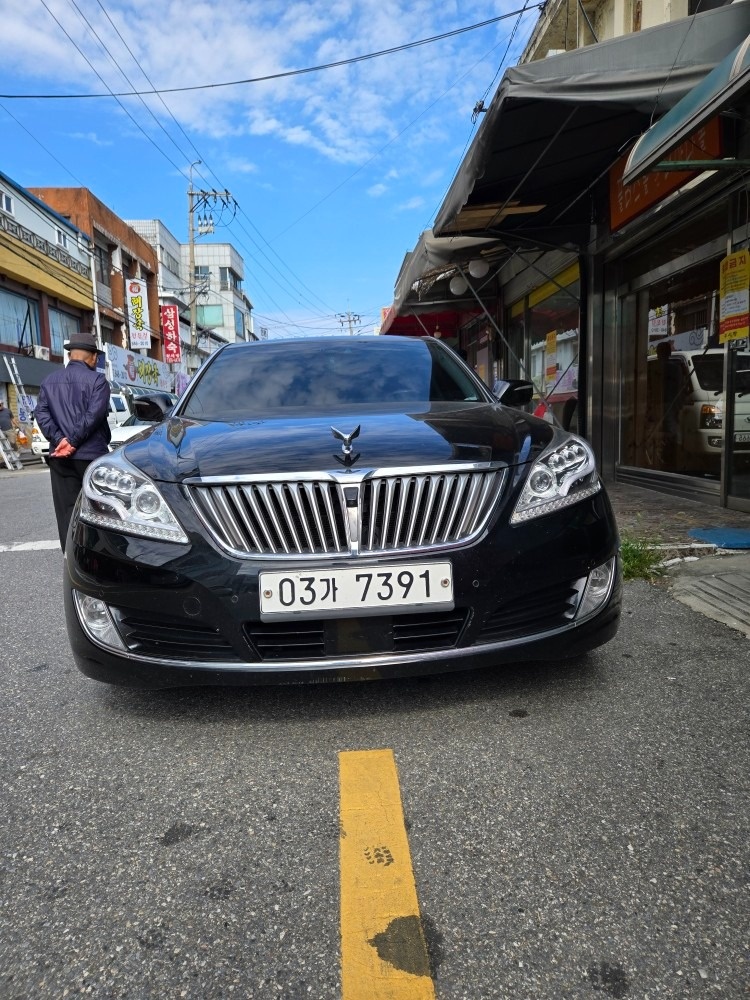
66 476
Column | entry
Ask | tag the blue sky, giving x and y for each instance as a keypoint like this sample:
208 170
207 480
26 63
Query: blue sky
335 172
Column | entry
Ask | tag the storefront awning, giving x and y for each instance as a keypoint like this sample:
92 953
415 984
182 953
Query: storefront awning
556 125
423 284
723 86
433 262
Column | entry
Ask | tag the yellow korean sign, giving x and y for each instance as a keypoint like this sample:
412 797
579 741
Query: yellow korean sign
734 297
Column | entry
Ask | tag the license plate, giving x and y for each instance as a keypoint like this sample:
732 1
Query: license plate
362 590
742 438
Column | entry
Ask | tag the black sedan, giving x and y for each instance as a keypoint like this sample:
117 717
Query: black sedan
334 509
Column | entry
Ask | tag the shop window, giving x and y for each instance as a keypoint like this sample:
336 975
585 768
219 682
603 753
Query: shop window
543 336
476 344
672 397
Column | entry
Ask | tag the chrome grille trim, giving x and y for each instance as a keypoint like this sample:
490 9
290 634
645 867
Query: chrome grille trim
305 514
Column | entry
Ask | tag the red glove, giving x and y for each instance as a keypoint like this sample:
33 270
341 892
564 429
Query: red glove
64 449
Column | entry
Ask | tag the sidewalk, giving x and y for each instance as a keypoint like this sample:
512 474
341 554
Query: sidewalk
668 521
712 579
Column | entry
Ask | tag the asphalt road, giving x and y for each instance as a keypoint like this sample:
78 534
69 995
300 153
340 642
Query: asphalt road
577 830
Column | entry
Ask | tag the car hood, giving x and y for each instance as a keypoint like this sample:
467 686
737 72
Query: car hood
180 448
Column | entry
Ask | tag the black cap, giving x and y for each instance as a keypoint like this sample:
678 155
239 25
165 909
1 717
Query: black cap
82 342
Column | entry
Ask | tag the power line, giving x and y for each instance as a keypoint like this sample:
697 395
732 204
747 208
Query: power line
41 145
272 274
277 76
192 144
156 146
111 93
120 70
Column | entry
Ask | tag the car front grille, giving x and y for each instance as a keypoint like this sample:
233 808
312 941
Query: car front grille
545 609
345 514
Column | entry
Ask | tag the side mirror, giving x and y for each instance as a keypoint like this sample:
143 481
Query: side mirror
513 392
153 407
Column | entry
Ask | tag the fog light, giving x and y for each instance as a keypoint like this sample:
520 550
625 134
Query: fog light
96 621
598 588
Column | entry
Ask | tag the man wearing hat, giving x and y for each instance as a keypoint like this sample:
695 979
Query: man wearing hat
72 414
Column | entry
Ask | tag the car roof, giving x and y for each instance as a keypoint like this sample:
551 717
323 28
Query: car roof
398 343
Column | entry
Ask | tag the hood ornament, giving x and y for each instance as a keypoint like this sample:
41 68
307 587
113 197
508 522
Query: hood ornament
346 445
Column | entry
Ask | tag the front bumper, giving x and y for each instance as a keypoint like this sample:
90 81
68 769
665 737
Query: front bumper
191 614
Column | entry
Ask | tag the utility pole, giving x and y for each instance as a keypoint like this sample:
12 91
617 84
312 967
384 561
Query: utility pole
199 200
191 264
350 319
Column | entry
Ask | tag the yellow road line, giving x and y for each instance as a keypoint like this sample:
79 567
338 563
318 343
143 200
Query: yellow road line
383 951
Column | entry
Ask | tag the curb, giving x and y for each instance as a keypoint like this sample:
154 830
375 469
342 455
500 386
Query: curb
677 551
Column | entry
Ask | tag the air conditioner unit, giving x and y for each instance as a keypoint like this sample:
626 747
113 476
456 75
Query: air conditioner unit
41 352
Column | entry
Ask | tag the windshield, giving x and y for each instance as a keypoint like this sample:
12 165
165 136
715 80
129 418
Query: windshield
255 380
709 369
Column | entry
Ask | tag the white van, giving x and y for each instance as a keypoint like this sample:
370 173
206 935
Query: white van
694 415
119 409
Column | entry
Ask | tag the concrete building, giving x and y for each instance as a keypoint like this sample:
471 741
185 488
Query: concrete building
46 290
126 271
212 274
223 308
564 25
119 253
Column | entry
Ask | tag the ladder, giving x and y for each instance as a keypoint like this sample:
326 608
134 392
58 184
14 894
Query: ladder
10 457
24 400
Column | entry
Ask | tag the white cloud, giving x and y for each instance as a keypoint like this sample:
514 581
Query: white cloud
346 115
411 205
377 190
238 165
91 137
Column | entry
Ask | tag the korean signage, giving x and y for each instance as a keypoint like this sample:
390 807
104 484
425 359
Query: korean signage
658 325
170 328
626 201
734 296
137 302
129 368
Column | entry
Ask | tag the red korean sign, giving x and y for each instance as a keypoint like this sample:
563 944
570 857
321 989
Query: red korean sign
170 326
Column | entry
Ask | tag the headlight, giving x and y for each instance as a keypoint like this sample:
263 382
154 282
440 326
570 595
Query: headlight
712 417
563 475
117 495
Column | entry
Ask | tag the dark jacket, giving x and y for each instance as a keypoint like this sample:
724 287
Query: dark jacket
74 403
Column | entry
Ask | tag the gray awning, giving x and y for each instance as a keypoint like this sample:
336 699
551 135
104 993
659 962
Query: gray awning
423 284
727 83
555 125
433 261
